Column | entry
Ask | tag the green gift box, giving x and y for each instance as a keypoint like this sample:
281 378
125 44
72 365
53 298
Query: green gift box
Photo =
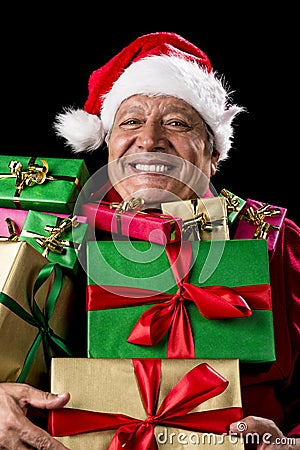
195 299
64 246
235 205
41 184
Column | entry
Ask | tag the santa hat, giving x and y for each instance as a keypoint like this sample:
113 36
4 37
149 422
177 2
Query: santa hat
159 63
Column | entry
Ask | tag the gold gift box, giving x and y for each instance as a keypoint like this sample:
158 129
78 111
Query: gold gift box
22 344
204 219
109 385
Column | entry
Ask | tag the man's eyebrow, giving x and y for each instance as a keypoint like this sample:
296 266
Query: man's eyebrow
131 110
181 110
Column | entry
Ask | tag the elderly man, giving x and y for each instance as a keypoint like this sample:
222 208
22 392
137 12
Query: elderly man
166 119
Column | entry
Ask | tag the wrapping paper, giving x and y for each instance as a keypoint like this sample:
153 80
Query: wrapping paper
128 391
234 205
260 221
203 218
41 184
150 226
70 242
202 299
39 314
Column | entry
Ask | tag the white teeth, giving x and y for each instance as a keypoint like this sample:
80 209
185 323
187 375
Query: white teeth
161 168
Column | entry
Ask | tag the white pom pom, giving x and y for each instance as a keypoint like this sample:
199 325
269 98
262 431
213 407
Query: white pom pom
81 130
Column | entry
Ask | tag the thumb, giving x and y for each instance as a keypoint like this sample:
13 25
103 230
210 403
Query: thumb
27 395
48 400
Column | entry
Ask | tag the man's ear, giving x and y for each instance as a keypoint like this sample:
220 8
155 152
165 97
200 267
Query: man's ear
214 162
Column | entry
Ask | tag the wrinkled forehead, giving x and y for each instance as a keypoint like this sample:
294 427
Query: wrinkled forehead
157 107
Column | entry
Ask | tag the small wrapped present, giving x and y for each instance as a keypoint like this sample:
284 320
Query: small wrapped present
194 299
128 219
60 238
203 218
50 184
11 223
260 221
39 314
146 403
235 205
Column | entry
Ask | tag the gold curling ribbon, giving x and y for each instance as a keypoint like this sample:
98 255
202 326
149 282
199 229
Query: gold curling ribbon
13 237
54 243
257 217
34 174
134 204
233 202
198 224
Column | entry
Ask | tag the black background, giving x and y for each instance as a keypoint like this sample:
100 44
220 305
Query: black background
45 68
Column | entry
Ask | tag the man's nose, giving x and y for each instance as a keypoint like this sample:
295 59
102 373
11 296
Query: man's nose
152 137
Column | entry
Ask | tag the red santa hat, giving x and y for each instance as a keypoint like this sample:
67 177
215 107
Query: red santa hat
161 63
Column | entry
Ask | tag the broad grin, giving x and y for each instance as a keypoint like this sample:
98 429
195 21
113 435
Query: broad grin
153 168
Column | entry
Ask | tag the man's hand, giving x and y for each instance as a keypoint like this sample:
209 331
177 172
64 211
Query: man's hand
270 436
16 430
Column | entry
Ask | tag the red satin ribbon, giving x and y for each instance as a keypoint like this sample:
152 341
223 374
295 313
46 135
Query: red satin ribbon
198 385
170 314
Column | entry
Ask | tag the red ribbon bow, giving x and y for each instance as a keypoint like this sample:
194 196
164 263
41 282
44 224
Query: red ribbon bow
214 302
198 385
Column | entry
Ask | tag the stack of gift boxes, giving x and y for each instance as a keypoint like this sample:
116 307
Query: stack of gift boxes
40 240
173 303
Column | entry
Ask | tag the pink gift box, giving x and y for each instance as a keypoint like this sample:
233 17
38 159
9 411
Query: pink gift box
147 226
260 221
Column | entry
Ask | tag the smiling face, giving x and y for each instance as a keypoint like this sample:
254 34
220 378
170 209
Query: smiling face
159 150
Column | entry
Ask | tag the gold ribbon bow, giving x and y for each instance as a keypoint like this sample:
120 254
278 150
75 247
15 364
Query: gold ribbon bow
257 217
54 243
199 223
13 237
35 174
133 204
232 200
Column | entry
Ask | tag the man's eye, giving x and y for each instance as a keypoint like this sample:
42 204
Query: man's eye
177 123
130 122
